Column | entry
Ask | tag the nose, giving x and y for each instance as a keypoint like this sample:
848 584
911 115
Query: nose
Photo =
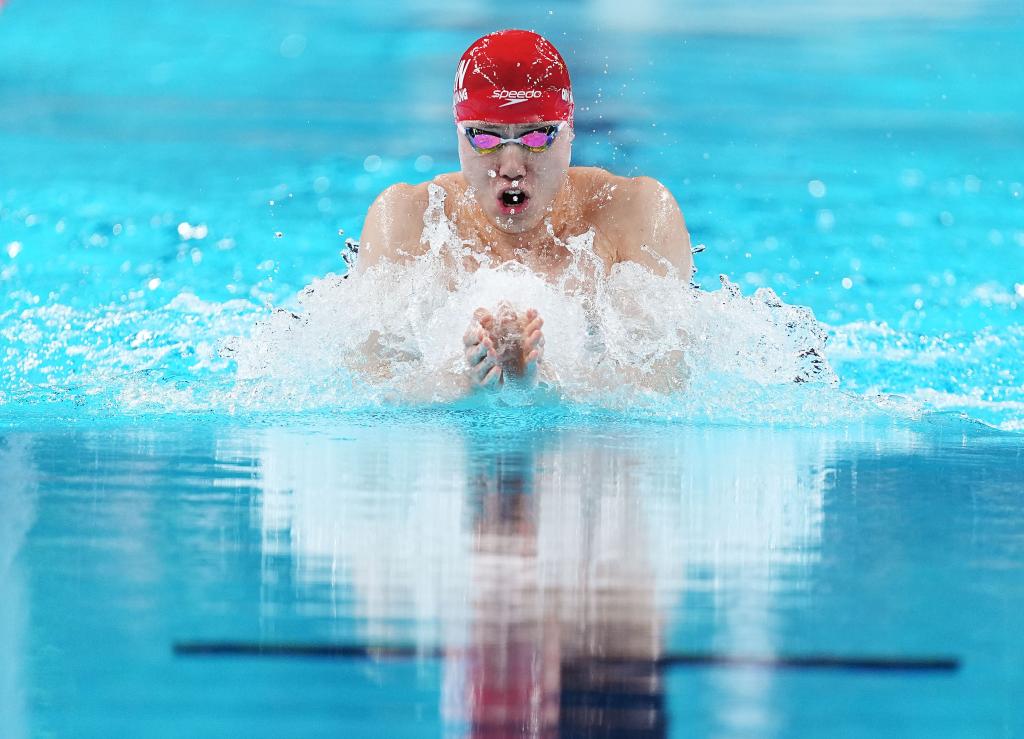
512 162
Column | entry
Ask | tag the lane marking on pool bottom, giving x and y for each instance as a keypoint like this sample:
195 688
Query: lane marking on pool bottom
873 663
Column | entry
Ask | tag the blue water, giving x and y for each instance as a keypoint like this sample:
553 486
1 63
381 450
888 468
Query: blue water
170 174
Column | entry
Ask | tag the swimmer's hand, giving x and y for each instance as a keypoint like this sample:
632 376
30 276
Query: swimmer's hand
533 345
503 347
481 355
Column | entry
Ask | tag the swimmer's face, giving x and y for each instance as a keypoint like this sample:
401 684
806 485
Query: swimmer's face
514 186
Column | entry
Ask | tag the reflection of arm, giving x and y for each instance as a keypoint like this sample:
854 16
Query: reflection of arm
393 226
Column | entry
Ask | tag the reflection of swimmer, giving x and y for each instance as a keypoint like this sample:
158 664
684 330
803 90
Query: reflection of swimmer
516 199
559 646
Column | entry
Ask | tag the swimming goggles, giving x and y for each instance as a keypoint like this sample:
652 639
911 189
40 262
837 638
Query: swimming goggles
537 140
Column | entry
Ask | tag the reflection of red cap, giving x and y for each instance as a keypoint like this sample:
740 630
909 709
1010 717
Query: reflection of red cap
512 77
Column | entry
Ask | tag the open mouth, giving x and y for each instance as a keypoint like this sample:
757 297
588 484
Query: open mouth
513 200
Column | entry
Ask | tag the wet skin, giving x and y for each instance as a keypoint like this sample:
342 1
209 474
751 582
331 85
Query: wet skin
632 220
502 347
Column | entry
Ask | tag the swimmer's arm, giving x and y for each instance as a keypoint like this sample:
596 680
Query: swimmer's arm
656 235
393 226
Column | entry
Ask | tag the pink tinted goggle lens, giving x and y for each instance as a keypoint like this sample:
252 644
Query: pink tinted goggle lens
537 140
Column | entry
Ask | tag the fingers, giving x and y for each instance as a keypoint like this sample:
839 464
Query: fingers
483 317
492 377
534 341
487 373
475 352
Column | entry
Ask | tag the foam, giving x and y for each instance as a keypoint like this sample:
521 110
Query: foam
626 339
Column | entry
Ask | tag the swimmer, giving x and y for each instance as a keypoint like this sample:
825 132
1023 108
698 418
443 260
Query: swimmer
516 198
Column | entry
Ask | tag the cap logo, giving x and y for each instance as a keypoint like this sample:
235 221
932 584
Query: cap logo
460 76
515 94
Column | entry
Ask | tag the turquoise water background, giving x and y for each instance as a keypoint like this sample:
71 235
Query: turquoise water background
863 163
170 173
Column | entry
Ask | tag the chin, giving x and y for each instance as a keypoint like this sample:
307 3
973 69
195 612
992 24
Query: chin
512 225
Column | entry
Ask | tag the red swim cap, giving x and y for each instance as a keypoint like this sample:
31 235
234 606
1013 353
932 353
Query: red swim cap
512 77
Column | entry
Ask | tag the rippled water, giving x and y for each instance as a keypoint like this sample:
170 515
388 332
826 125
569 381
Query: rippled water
191 461
518 570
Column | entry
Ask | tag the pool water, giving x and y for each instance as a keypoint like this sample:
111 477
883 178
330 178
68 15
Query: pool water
208 527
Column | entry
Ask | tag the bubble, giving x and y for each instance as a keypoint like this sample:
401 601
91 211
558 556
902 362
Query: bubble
320 185
14 249
423 163
911 178
847 283
293 45
154 283
816 188
372 163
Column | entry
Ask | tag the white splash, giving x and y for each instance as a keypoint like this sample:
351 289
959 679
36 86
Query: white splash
620 339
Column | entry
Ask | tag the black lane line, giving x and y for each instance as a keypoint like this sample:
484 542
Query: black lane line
874 663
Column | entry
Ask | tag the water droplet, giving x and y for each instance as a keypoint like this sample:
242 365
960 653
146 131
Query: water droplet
372 163
14 249
816 188
293 45
154 283
847 283
278 234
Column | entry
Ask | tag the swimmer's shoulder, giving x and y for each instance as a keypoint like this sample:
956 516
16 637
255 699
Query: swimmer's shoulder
638 215
606 194
393 228
607 198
